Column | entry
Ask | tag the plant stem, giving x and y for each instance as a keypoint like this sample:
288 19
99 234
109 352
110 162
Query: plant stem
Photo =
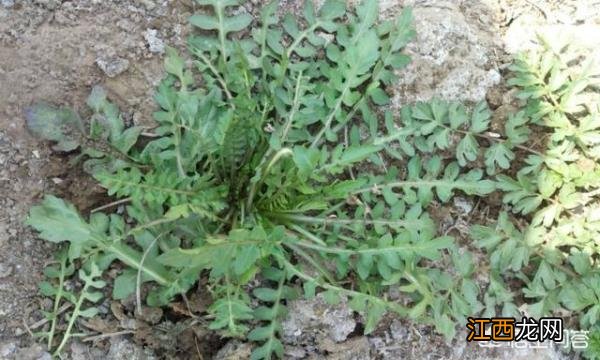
308 235
382 250
219 12
320 268
57 298
325 221
133 258
331 116
295 106
399 309
74 317
111 204
493 139
217 75
276 305
138 282
301 37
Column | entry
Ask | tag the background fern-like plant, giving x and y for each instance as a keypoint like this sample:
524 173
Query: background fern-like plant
553 256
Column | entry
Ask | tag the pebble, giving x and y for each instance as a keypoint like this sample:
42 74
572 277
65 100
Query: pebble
152 315
123 349
465 206
7 3
295 352
114 66
316 316
155 44
148 4
49 4
234 350
35 351
78 351
399 331
5 270
7 349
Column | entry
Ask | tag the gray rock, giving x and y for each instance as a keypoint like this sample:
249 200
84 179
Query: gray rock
155 44
234 350
309 317
5 270
148 4
464 205
452 57
48 4
295 352
7 349
33 352
399 331
357 348
7 3
123 349
78 350
113 66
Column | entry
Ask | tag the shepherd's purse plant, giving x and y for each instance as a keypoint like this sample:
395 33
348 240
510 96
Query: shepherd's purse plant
278 169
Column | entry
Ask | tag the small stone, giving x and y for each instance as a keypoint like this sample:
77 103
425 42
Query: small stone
399 331
33 352
137 118
48 4
316 316
152 315
465 206
451 57
113 66
234 350
148 4
7 349
5 270
357 348
78 351
123 349
295 352
155 44
7 3
129 324
44 356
